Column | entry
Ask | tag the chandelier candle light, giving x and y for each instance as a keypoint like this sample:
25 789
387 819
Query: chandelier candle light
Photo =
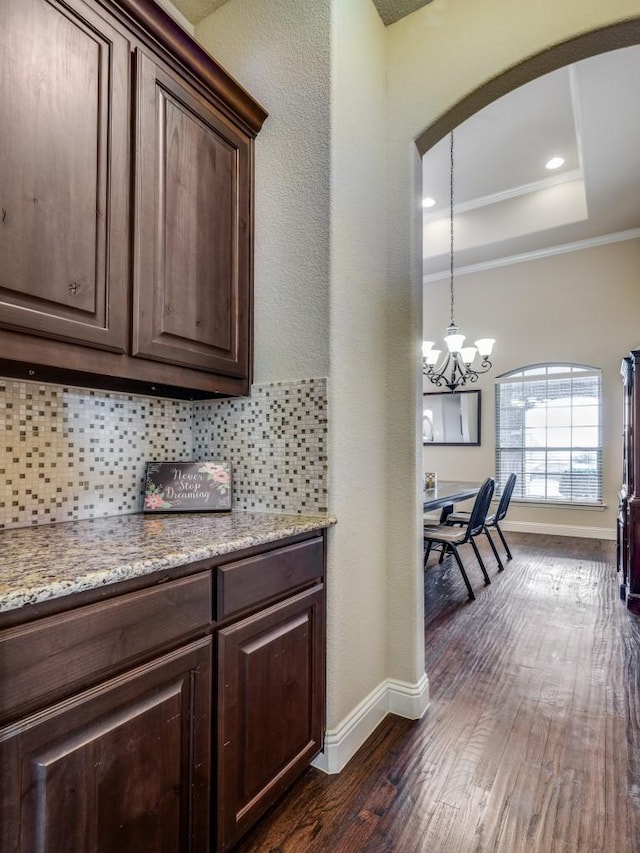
455 369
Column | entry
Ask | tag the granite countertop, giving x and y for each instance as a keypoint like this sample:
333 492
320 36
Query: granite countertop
41 563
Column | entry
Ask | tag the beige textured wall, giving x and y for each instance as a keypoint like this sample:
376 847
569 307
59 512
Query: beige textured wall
320 277
436 57
357 588
580 307
306 227
280 51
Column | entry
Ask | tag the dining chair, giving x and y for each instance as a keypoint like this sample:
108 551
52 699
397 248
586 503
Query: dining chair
492 520
451 537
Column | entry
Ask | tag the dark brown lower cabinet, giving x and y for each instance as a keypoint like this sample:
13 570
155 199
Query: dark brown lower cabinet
270 707
114 735
120 767
629 495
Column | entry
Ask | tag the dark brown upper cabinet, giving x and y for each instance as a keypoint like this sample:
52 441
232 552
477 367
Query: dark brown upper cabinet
126 211
192 236
63 173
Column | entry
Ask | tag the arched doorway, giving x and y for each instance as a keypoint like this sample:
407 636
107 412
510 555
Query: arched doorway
539 245
413 67
619 35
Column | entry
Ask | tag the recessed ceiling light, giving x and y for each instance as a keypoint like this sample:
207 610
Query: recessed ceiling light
555 163
428 202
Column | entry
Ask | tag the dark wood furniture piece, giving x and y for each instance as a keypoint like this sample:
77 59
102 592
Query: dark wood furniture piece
126 211
163 713
628 523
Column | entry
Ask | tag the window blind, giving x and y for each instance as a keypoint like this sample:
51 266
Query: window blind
549 433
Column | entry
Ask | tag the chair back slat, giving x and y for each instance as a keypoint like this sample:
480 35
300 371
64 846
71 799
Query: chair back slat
480 508
505 498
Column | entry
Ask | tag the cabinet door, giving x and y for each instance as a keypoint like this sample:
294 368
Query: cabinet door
270 707
64 101
123 767
192 241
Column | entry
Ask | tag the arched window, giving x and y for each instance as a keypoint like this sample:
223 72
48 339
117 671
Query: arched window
549 433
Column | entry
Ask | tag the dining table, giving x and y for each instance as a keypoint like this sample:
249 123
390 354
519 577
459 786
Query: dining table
446 493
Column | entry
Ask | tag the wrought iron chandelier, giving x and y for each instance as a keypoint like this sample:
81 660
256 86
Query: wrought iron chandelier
456 367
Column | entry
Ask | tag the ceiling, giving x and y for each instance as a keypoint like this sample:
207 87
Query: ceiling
195 10
508 207
389 10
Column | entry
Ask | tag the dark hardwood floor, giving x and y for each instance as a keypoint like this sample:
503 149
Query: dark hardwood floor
532 740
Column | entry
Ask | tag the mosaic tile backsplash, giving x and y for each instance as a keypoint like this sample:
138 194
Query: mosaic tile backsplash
276 441
69 453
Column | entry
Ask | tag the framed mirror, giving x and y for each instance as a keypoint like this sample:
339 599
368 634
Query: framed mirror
451 418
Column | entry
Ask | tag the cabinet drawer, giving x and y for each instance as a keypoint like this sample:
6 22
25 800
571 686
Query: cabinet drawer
47 659
245 583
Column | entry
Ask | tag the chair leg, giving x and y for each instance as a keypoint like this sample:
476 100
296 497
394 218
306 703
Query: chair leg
487 579
427 552
504 541
443 552
494 549
462 572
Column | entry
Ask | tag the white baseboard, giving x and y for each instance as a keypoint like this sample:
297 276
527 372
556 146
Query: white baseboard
559 529
390 697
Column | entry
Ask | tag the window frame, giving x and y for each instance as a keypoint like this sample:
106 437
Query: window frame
536 373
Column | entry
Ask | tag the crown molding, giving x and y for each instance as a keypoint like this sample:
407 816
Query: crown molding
504 195
550 251
574 91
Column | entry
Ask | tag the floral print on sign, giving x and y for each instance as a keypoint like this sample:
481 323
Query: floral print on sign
155 499
219 473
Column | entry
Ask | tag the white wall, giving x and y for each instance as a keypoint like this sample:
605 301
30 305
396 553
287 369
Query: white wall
280 50
357 448
436 57
579 307
320 280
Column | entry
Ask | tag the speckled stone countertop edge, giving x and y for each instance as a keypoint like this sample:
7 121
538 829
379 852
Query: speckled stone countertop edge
54 561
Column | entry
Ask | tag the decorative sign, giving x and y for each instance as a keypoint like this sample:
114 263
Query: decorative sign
187 486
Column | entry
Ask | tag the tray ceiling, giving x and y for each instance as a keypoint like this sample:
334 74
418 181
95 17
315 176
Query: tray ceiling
508 206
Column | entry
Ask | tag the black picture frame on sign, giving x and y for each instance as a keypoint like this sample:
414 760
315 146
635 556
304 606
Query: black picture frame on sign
187 486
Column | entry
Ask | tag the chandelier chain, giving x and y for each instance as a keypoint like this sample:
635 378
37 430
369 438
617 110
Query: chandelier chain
456 367
451 229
